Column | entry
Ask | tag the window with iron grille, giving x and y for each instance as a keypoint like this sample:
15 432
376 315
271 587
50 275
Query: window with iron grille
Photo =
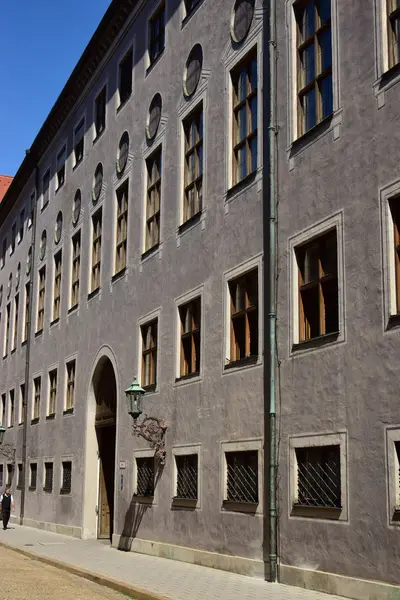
97 221
149 333
76 268
157 33
33 476
393 28
20 477
10 475
318 476
41 298
79 140
16 310
314 62
70 401
125 77
153 203
48 477
100 112
57 285
244 316
26 316
145 477
66 477
190 318
186 476
318 287
242 476
60 177
52 392
193 184
245 118
45 189
7 330
1 475
11 408
122 227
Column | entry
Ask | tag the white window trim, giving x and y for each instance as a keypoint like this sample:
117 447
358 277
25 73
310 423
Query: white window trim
36 376
147 453
333 222
253 263
292 54
62 146
311 440
74 309
93 212
392 435
387 193
9 424
118 185
197 292
241 446
55 367
147 63
76 123
184 450
69 359
130 45
57 250
36 307
148 318
3 395
159 143
96 92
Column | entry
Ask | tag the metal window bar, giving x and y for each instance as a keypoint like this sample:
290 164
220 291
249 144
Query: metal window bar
242 476
48 478
66 477
145 477
318 472
187 469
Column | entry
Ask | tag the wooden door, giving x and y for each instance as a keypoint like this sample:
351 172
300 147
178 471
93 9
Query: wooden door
104 521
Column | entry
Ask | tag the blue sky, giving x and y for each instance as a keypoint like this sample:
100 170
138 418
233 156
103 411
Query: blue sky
40 43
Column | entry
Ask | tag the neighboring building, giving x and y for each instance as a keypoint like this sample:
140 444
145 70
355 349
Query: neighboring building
5 182
145 258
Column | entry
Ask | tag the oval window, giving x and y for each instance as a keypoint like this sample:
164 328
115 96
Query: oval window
154 117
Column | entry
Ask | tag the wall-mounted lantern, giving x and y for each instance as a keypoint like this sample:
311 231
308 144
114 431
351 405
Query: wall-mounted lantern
150 429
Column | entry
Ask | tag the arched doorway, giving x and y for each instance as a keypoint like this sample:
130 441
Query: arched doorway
105 394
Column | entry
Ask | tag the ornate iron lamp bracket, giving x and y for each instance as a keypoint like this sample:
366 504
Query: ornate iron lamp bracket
152 430
8 451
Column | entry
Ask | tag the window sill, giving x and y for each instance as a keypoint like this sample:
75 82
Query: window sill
24 343
319 512
73 309
394 321
190 222
47 491
143 499
150 388
245 507
32 489
51 417
241 185
19 487
150 251
38 333
68 411
5 356
313 134
98 136
55 321
118 276
44 206
387 80
59 187
185 503
191 13
316 342
124 103
13 351
249 360
188 377
94 293
65 492
79 162
155 62
35 421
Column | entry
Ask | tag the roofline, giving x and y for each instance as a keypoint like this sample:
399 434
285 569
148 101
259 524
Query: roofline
98 46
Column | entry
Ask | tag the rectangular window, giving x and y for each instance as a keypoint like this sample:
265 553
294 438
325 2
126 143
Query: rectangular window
100 112
314 62
26 317
244 316
41 298
3 252
79 140
21 225
125 77
16 310
76 268
153 202
52 392
121 227
149 333
57 285
193 184
31 209
97 221
20 477
318 476
13 238
45 189
70 399
242 476
37 389
48 477
61 157
3 410
10 475
190 318
394 205
318 287
145 477
33 476
186 476
7 330
245 118
190 5
11 408
393 15
21 404
1 475
397 476
157 33
66 477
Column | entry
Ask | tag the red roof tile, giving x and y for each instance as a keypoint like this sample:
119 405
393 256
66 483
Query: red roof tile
5 181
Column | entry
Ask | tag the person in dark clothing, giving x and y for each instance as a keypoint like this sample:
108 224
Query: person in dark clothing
7 504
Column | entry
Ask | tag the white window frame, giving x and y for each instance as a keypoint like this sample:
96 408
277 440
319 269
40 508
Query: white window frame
74 163
292 54
388 193
54 367
75 308
93 212
158 144
36 376
307 235
253 263
194 293
147 453
129 46
96 92
69 359
185 450
62 147
59 249
244 445
148 318
317 440
9 423
43 266
118 185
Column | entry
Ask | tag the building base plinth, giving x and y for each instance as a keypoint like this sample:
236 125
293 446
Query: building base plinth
70 530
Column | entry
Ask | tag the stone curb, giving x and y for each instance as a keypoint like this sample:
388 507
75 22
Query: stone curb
114 584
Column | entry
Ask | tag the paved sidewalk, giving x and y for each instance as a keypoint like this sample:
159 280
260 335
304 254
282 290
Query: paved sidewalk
168 578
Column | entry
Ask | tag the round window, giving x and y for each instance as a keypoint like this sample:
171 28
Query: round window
43 245
97 182
123 151
29 261
9 286
58 227
18 276
76 207
154 117
192 72
242 16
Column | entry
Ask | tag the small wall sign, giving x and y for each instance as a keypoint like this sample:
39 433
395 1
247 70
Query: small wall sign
122 464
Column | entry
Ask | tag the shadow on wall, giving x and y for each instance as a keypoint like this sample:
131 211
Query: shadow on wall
134 515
